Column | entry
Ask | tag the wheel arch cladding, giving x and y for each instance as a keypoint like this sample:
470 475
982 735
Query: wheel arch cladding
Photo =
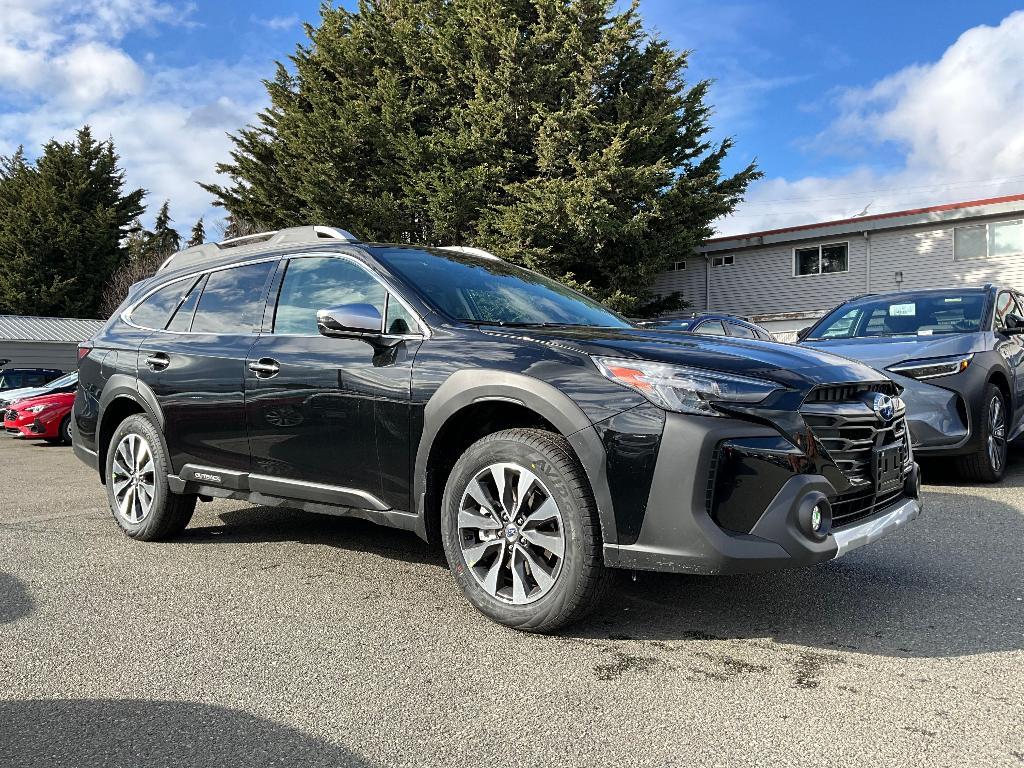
122 397
503 400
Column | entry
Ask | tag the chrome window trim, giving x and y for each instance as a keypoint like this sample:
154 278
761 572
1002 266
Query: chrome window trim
126 314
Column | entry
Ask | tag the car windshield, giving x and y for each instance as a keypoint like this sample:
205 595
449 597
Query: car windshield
477 289
909 314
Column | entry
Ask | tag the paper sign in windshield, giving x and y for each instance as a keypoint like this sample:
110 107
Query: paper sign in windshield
902 310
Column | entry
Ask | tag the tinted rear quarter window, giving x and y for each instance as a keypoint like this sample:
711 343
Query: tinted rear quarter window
232 301
156 310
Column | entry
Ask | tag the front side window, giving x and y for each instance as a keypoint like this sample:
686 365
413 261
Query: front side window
1006 304
312 284
232 301
156 310
979 241
920 314
477 289
821 259
10 380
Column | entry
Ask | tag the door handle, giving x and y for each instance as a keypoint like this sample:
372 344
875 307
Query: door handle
158 361
265 368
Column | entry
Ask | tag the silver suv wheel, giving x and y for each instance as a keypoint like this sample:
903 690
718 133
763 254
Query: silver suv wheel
133 477
511 533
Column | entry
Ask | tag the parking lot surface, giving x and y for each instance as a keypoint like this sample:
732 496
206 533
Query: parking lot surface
275 637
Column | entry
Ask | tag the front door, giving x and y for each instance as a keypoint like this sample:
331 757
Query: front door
196 367
320 409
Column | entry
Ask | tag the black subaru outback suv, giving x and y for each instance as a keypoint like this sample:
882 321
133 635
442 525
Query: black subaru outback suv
541 438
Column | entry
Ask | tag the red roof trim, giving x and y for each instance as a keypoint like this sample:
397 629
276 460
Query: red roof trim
874 217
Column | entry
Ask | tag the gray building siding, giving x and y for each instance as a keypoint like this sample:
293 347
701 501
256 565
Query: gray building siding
38 354
761 280
689 282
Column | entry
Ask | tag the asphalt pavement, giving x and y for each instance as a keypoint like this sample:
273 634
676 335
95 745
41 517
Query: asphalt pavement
275 637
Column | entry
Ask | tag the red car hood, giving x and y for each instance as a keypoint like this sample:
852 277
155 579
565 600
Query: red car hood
58 398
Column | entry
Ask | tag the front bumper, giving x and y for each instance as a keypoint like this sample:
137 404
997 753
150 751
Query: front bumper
678 533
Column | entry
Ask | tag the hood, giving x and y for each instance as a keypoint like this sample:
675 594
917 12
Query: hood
58 398
14 395
787 364
882 351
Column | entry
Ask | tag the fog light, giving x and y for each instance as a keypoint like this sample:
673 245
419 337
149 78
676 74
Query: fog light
816 518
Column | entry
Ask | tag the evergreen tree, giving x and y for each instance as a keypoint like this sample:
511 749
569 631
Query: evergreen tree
63 220
556 133
164 239
198 234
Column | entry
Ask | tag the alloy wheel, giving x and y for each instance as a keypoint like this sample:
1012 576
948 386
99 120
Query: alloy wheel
511 533
133 478
996 433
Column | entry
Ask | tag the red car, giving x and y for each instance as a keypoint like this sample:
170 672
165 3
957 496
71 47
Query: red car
47 417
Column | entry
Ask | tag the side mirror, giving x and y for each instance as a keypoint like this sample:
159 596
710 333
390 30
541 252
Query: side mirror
349 320
802 333
1013 325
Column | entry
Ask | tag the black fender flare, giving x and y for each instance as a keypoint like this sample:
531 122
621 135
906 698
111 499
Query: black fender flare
466 387
123 386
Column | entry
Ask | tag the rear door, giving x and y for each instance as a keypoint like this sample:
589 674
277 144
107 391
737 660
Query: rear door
195 365
329 417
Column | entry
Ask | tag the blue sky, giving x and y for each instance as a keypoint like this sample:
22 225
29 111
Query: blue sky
845 106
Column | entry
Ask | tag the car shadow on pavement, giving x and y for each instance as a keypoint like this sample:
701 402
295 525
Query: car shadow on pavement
949 586
125 732
15 599
260 524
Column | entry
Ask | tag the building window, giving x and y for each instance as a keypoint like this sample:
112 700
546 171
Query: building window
979 241
821 259
722 261
677 266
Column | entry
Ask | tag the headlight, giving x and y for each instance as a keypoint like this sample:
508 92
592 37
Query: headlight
682 389
933 368
36 408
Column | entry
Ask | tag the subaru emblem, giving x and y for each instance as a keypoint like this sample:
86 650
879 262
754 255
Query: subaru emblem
884 407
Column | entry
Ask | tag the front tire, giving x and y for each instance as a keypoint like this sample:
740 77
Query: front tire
988 463
136 477
520 531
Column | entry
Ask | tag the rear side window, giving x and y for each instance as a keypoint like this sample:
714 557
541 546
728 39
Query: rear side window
312 284
735 329
182 320
232 301
711 328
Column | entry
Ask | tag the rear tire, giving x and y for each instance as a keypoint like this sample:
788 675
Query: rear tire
521 533
136 476
988 463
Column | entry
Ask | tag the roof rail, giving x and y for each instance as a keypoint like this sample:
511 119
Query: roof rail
468 249
206 251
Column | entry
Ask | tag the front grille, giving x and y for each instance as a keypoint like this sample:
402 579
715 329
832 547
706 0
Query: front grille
850 432
850 439
839 393
849 508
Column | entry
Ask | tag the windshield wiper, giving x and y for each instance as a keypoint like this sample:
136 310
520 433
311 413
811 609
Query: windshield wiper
517 323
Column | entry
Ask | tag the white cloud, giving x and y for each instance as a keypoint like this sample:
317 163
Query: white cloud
956 124
277 22
61 67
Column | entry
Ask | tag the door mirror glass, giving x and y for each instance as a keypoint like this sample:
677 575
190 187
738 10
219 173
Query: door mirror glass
802 333
349 320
